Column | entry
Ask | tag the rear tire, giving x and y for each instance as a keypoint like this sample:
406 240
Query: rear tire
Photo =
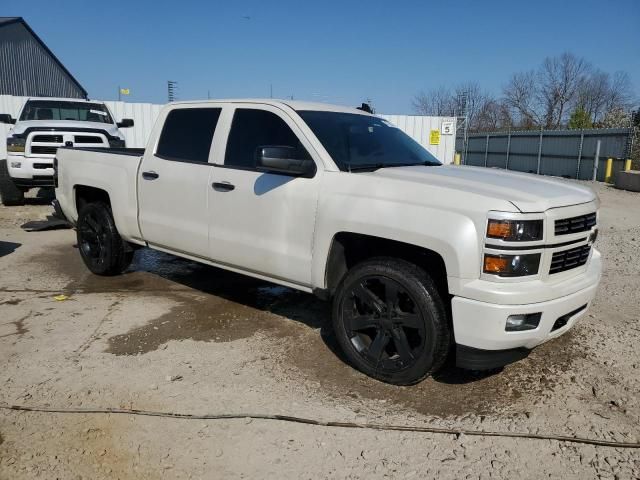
101 247
9 193
390 321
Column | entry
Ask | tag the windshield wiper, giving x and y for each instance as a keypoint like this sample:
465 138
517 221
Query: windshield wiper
372 167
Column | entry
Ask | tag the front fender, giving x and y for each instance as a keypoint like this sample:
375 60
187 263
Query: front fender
450 234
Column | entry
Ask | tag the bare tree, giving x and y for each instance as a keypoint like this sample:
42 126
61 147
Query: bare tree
520 96
621 92
559 80
594 94
545 97
438 102
493 115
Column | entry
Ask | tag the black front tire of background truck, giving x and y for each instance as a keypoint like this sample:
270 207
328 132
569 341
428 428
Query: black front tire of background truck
101 247
390 321
9 193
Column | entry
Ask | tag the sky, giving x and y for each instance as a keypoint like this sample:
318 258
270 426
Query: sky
341 52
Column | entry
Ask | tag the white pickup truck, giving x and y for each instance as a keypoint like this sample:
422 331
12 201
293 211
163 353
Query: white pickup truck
43 125
420 260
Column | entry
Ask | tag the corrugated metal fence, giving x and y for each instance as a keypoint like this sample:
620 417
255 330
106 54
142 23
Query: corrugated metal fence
144 116
562 153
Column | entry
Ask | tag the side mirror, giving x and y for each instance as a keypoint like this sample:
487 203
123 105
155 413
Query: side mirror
125 123
6 118
283 160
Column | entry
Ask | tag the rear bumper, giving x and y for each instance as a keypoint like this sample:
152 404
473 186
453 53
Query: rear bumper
31 172
481 326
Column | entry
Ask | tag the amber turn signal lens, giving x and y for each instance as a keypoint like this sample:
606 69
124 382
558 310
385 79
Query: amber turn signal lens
497 229
495 264
515 230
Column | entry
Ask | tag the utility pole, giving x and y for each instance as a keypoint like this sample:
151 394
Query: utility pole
172 87
119 94
271 90
462 121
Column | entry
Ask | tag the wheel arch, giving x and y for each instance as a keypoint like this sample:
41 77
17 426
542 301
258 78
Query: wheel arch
349 248
84 194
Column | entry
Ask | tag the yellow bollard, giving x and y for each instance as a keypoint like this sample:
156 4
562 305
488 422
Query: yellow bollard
456 159
607 173
627 165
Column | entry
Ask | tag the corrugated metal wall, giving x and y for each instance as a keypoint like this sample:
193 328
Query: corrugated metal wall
419 128
562 153
26 68
144 116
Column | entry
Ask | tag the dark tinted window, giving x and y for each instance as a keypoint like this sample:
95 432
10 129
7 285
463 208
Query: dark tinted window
252 129
187 134
357 141
61 110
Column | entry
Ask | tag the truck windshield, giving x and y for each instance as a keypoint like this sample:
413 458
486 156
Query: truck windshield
362 142
61 110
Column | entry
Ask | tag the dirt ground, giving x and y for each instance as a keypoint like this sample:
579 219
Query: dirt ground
177 336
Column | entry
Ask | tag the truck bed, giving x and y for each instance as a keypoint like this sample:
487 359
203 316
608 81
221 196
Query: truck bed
113 171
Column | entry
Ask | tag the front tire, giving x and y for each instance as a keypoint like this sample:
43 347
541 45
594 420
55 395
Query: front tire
390 321
9 193
101 247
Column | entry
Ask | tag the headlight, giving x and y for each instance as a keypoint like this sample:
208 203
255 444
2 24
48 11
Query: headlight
511 265
515 230
15 144
116 143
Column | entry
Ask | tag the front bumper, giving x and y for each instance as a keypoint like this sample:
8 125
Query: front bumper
33 171
481 326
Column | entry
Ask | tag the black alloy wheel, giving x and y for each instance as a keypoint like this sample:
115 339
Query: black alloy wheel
383 323
390 321
101 247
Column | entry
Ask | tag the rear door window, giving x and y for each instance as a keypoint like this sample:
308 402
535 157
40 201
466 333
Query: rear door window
187 134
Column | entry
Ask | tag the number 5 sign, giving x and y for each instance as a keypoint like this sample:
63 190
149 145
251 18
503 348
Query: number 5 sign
446 128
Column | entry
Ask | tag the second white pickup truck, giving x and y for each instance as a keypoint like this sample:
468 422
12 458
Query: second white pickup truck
419 259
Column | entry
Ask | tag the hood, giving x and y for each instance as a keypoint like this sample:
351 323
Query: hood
527 192
71 125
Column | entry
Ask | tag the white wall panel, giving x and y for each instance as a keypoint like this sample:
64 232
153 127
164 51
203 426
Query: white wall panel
144 116
419 128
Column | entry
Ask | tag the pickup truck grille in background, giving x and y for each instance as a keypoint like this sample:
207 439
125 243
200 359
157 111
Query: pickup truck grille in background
42 166
46 143
43 149
582 223
86 139
568 259
47 138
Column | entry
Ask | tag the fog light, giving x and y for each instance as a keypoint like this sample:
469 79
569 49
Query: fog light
16 164
518 323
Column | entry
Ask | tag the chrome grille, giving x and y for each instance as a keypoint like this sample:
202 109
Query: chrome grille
582 223
568 259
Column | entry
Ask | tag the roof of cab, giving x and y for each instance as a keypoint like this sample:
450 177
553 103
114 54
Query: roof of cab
60 99
294 104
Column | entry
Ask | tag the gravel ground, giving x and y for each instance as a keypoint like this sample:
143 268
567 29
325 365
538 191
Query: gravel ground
177 336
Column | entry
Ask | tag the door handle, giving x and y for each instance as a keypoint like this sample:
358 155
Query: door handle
222 186
150 175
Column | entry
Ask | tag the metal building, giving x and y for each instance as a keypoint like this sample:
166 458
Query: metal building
29 68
